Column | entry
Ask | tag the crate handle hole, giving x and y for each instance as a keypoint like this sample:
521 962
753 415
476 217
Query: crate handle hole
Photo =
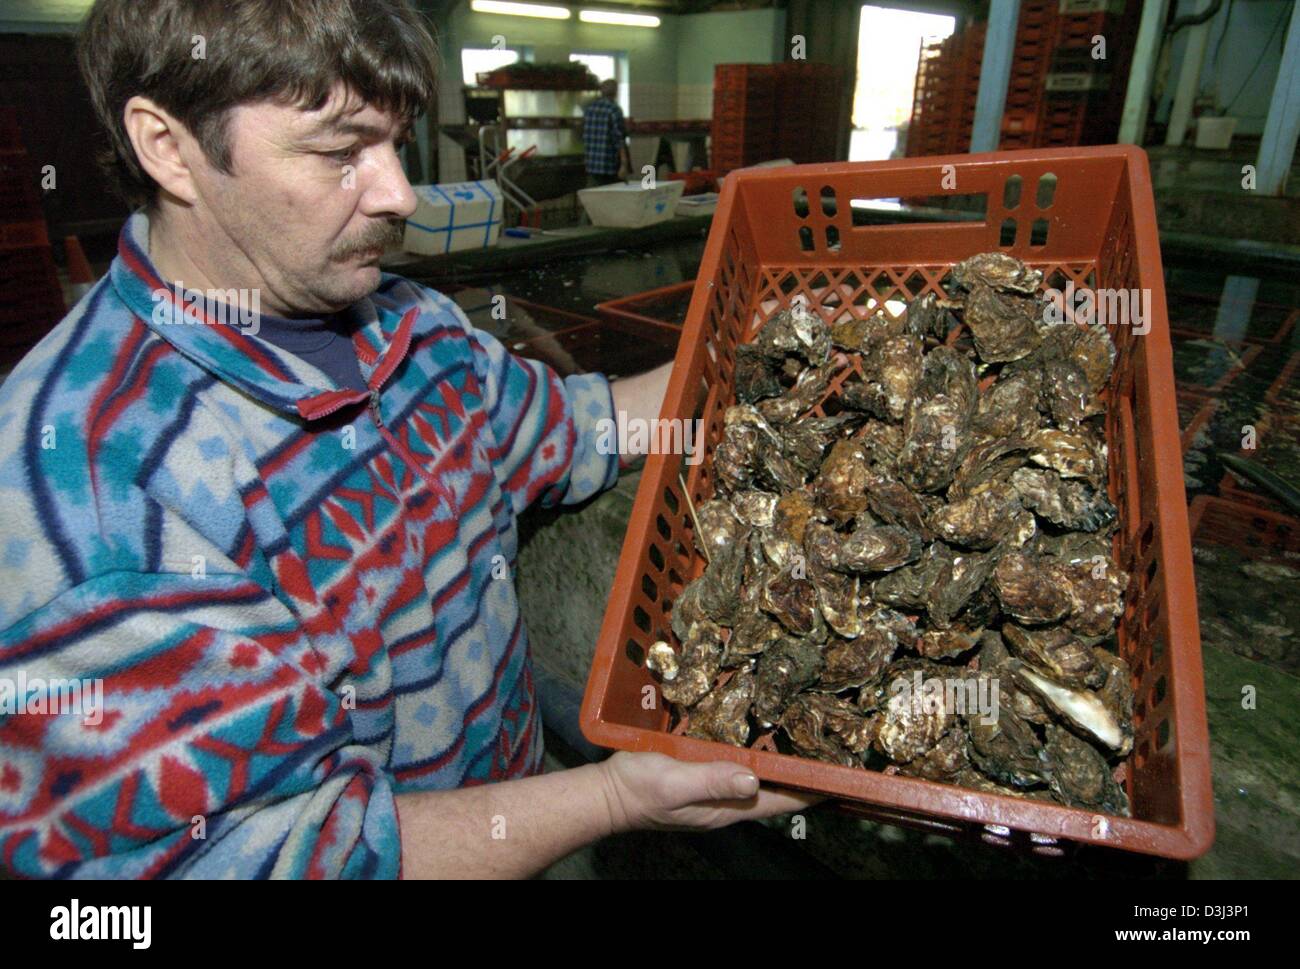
634 652
1008 237
805 238
829 207
642 619
1038 233
801 202
1011 192
1046 190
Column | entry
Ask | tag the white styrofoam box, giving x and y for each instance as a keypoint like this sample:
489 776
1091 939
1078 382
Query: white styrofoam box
1214 132
454 216
702 204
628 205
771 163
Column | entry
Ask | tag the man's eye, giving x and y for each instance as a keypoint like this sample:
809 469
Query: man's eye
342 155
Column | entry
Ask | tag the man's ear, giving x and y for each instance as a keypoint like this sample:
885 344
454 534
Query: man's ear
163 146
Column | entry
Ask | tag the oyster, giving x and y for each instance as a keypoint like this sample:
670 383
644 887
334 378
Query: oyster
1004 325
1005 747
697 666
914 714
828 728
1057 653
926 509
795 330
786 668
753 633
756 377
1072 455
754 508
945 761
1080 777
807 392
841 485
792 598
926 316
1085 710
1031 588
893 372
723 715
805 441
853 662
1065 502
1009 409
878 548
998 270
1096 590
935 438
719 527
984 519
660 658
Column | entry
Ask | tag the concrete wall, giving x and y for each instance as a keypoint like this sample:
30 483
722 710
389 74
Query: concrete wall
735 37
1247 63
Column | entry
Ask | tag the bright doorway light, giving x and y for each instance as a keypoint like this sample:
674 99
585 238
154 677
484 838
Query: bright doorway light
618 19
889 47
520 9
476 60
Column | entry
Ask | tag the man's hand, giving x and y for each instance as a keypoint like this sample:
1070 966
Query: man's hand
646 790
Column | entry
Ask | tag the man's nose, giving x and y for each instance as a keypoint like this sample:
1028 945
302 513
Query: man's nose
389 193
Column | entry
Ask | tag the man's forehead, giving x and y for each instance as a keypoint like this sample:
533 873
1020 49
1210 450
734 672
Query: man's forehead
348 115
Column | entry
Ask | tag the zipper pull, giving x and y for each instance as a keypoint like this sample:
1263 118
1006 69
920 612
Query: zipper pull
374 408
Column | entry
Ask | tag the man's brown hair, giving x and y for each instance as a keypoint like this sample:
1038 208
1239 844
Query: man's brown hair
200 58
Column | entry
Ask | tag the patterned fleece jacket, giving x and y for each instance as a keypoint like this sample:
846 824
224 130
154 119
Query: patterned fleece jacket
298 600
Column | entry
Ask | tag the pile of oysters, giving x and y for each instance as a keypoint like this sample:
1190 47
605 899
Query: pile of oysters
908 549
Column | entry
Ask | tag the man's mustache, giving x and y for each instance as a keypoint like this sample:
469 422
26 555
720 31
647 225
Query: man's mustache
380 235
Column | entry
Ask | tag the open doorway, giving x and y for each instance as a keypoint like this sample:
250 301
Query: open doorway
889 46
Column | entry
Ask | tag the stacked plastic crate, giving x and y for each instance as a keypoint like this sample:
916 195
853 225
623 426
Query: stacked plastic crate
947 84
744 114
926 133
1035 31
809 99
31 299
969 53
1081 88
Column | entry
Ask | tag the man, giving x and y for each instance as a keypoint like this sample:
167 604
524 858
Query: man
263 496
604 137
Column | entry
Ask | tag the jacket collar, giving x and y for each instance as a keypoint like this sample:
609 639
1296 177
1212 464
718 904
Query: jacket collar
230 350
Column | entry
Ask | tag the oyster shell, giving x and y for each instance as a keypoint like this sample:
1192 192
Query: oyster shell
998 270
1004 325
723 715
1069 503
786 668
797 330
697 666
1085 710
1080 777
914 714
1057 653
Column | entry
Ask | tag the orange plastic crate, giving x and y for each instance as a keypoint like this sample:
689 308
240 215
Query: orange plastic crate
1102 228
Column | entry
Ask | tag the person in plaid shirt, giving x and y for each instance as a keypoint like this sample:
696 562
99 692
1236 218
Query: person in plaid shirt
605 136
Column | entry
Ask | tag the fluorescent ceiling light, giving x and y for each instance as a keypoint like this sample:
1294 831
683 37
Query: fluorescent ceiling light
618 19
520 9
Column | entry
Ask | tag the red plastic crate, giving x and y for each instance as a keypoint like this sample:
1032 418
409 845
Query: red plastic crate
1257 532
1104 228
